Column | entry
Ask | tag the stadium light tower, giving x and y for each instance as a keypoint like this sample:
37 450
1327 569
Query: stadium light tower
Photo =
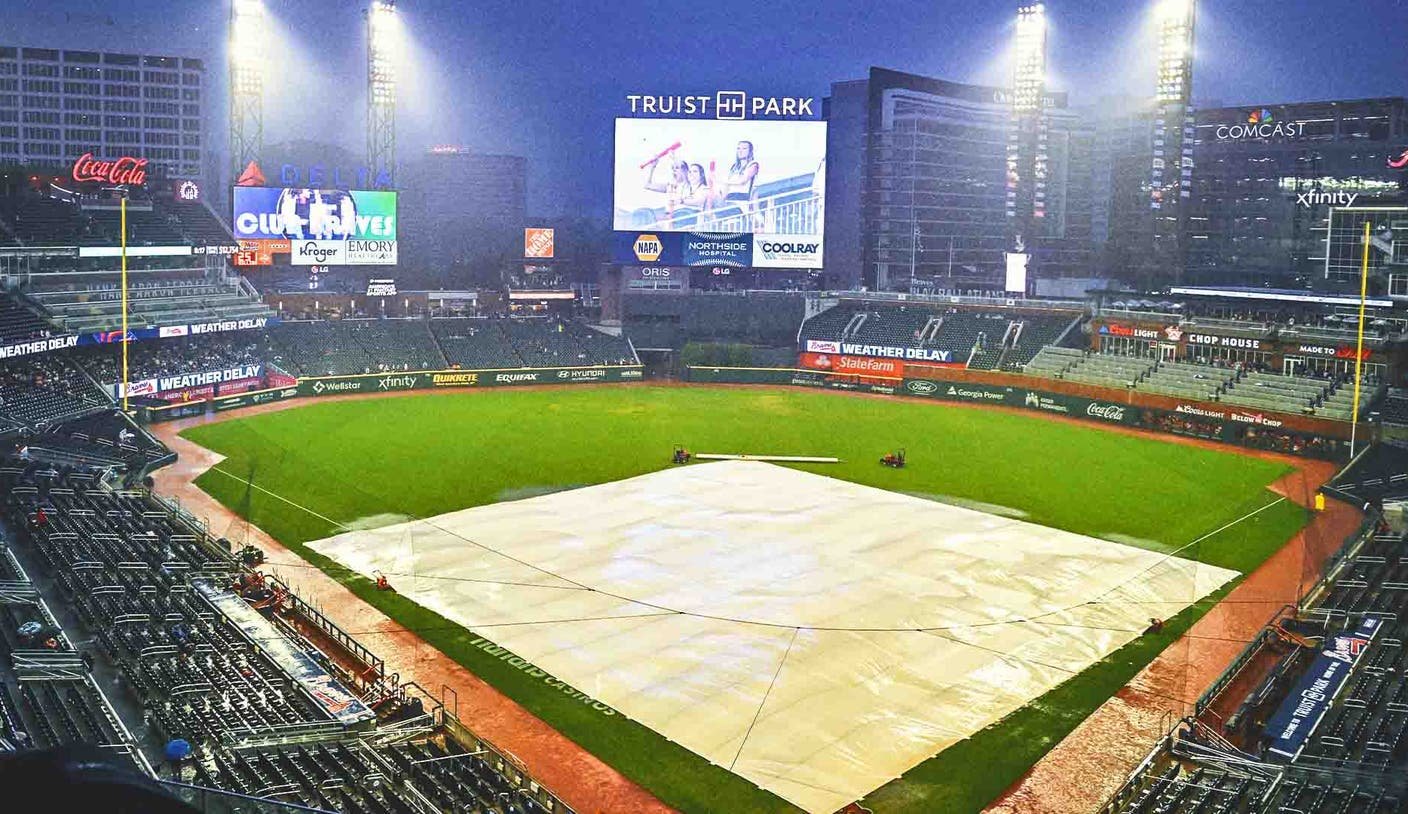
1170 181
247 37
383 50
1026 141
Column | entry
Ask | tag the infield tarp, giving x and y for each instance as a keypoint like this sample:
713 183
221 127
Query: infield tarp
815 637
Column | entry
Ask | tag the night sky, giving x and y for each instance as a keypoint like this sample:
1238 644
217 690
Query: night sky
545 78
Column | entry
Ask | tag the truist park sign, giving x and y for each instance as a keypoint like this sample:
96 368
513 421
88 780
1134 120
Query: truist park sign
122 171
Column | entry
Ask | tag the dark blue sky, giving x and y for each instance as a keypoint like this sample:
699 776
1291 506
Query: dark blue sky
544 78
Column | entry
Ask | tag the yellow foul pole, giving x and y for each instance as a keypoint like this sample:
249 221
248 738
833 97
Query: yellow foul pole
124 303
1359 348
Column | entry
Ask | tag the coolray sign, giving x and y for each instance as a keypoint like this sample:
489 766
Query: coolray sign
786 251
724 104
371 253
319 252
272 213
1326 198
1225 341
853 365
38 346
823 346
126 170
891 352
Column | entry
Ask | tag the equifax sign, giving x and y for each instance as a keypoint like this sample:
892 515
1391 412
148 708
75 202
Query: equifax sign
125 170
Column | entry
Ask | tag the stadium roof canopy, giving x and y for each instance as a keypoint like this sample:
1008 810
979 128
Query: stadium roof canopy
1286 295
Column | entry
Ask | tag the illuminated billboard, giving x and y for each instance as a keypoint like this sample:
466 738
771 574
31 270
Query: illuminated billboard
292 213
762 180
537 242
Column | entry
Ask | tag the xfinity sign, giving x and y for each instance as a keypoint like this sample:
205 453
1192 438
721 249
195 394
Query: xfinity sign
724 104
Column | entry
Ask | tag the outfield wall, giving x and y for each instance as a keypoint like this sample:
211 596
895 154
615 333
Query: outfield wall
1296 435
316 386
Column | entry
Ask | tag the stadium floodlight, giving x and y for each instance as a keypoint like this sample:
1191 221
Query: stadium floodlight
248 33
1026 143
383 52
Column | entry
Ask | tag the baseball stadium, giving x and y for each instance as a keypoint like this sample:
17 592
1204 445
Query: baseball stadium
835 465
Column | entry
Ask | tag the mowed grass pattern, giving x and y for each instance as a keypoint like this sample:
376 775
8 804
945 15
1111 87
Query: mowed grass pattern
426 455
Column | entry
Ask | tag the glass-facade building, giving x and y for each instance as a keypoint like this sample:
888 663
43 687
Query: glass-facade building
56 105
1266 178
917 186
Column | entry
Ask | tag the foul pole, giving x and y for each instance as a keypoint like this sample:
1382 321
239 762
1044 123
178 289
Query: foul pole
1359 347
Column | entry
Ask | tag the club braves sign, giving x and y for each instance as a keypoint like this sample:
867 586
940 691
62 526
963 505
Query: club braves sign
123 171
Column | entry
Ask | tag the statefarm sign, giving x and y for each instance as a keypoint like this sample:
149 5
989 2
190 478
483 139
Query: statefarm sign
886 351
126 170
853 365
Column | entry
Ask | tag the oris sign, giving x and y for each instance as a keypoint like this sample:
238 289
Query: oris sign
126 170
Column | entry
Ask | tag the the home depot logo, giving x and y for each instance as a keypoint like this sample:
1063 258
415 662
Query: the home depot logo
647 248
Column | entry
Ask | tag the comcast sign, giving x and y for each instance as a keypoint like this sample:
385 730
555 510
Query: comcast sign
1260 124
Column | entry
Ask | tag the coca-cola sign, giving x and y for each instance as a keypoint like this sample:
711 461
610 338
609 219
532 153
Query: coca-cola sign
1109 412
122 171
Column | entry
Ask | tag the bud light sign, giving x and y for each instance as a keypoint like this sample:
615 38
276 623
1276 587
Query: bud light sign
271 213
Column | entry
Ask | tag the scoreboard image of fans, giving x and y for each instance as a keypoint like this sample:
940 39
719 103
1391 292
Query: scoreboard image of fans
321 226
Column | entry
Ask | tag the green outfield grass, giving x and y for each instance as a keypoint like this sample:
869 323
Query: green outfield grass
423 456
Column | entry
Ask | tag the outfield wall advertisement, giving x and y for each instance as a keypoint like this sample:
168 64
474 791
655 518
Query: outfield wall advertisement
1228 426
429 379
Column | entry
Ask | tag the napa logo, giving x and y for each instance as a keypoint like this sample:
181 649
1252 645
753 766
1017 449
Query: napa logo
1259 116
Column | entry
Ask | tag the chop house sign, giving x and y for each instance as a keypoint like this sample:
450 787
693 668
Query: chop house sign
125 170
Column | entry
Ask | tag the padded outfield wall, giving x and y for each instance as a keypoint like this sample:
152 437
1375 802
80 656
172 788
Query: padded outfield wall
1212 421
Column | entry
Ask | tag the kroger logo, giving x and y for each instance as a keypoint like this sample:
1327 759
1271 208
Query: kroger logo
922 388
313 251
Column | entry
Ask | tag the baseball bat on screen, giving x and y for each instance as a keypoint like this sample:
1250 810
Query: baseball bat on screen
661 154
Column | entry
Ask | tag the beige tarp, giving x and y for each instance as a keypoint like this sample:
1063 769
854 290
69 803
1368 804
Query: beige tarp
816 637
